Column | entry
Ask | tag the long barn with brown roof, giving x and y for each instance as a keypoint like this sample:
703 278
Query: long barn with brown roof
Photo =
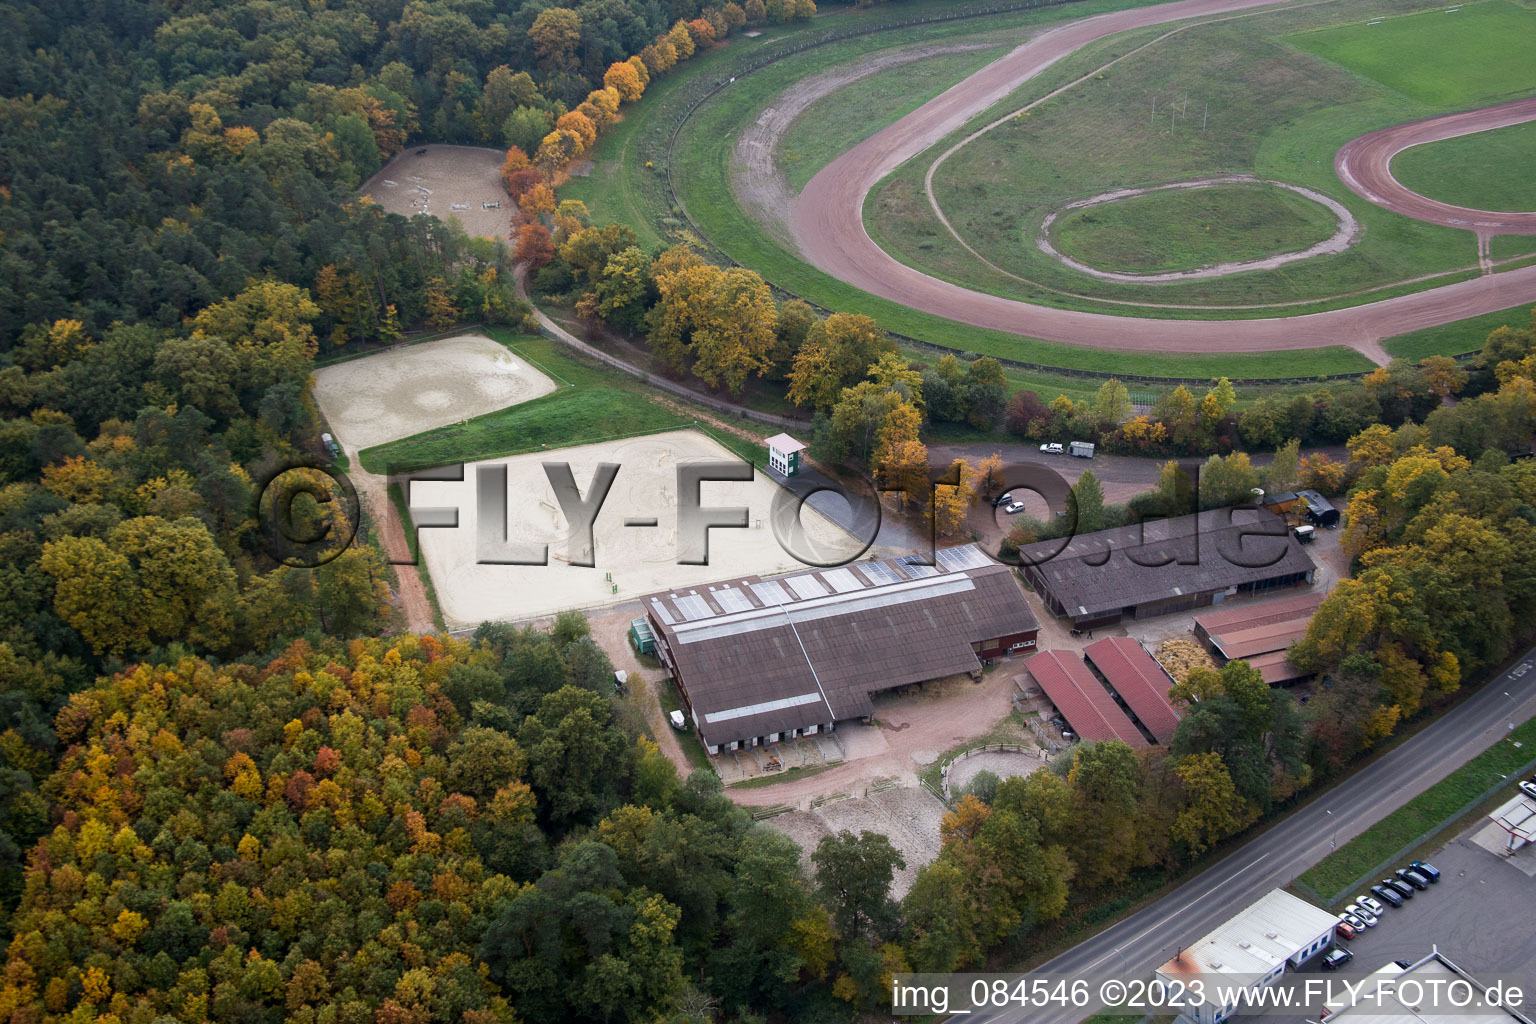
759 661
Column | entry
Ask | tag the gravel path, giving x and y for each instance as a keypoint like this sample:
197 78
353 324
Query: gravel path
828 227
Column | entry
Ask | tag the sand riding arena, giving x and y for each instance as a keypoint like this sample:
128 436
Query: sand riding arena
407 390
461 182
633 558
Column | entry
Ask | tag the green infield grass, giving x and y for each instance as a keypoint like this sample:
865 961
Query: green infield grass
1186 229
1486 171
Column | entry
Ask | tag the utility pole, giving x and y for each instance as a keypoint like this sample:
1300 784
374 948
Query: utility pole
1205 117
1154 109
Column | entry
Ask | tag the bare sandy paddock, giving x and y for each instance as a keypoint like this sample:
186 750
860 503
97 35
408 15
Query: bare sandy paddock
641 559
407 390
446 181
908 816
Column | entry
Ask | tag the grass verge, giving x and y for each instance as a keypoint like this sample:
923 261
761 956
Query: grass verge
666 696
763 781
1455 338
1341 870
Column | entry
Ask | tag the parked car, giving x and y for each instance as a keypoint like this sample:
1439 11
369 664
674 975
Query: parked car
1006 498
1014 508
1404 964
1363 914
1528 788
1426 869
1371 905
1389 896
1345 930
1051 449
1337 958
1412 877
1399 886
331 445
1353 921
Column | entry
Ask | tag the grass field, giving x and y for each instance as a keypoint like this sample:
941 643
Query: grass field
1473 56
1461 336
1245 101
599 404
1186 229
841 120
1367 852
622 188
1486 171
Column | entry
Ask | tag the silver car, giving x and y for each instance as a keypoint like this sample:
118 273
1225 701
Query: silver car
1370 904
1354 922
1363 914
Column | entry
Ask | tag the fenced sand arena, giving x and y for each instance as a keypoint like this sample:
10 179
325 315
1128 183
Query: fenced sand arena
639 559
462 182
407 390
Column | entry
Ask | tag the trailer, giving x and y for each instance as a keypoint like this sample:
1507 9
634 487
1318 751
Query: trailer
1082 449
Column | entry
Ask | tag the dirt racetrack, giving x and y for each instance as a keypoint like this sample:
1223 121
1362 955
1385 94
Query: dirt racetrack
827 223
446 181
1365 165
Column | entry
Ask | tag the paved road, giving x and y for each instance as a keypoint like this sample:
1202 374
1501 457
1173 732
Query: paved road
828 227
1134 947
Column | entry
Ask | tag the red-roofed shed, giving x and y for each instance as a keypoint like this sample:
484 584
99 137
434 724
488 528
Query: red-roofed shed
1082 699
1139 680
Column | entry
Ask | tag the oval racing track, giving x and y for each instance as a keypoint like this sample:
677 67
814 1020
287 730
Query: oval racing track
827 220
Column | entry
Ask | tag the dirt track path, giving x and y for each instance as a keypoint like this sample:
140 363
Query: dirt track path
828 228
759 185
1365 165
415 608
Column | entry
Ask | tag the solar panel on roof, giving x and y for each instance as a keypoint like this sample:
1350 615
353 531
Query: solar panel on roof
966 557
692 606
806 586
770 592
914 567
842 580
733 600
661 610
879 573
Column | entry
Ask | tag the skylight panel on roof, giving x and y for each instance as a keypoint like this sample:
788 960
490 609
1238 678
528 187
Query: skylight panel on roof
733 600
842 580
692 606
661 610
770 592
806 586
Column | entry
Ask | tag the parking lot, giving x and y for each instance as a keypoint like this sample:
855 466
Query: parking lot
1479 915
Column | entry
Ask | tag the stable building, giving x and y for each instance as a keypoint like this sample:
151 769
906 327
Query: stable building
1250 951
1260 633
1165 566
1081 700
784 454
1135 677
758 661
